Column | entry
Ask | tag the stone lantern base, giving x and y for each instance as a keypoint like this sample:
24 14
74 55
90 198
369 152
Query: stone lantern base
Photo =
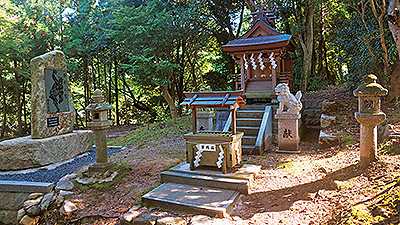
288 133
100 167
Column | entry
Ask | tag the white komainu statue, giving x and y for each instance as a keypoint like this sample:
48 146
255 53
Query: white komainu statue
287 99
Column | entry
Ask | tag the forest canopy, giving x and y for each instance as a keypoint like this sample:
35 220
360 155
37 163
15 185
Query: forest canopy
144 54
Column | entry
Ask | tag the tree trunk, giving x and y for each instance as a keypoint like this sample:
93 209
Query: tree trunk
170 101
18 96
116 90
3 96
394 25
307 41
394 90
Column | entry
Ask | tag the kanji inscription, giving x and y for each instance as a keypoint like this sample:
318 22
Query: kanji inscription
56 91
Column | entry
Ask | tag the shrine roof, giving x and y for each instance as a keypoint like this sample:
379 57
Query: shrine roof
261 37
214 99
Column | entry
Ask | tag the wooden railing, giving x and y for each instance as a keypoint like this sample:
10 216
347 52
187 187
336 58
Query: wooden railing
264 137
228 123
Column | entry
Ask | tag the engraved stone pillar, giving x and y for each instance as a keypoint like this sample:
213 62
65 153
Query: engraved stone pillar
53 112
288 133
369 115
99 125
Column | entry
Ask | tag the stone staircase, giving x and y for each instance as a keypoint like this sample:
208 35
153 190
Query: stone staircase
249 120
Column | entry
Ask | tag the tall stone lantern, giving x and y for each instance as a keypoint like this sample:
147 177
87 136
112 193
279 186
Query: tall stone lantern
369 115
99 125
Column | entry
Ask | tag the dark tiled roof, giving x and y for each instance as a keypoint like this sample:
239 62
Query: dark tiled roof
262 40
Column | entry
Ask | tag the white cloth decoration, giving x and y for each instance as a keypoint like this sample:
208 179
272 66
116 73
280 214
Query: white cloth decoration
260 61
221 157
246 65
253 63
198 156
272 60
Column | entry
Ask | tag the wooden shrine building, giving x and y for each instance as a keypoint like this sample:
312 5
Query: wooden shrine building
260 52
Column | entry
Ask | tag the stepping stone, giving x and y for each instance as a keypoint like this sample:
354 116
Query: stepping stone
240 180
193 199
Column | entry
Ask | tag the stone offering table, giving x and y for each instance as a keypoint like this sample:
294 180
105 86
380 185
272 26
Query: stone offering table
216 149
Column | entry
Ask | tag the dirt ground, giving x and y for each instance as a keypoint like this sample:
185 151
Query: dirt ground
317 186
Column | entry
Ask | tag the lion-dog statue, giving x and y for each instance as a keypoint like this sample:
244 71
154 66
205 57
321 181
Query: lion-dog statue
287 99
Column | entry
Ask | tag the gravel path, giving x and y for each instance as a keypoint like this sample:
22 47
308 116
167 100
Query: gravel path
52 174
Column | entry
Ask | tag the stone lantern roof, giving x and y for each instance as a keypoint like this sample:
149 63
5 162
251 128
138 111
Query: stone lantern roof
370 88
98 104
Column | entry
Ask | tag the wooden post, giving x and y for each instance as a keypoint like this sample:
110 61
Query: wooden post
194 124
233 111
224 162
189 149
242 80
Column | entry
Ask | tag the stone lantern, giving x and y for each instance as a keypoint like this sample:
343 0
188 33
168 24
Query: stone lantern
369 115
99 125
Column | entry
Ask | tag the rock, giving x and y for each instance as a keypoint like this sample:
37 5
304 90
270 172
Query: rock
127 217
327 121
64 185
27 220
145 219
330 108
327 141
35 195
29 203
21 213
59 200
170 220
66 194
44 204
201 220
68 208
25 152
69 176
33 210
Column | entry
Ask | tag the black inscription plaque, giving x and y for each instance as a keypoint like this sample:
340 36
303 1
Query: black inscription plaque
52 121
56 91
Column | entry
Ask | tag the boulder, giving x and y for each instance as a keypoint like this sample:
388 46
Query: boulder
327 121
44 204
25 152
327 141
201 220
64 185
27 220
330 108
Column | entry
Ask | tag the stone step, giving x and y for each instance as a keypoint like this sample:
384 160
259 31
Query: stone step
249 150
238 179
207 181
194 199
249 140
248 131
248 122
250 113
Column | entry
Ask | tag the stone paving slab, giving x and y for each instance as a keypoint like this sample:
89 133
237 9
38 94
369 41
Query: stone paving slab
196 199
246 172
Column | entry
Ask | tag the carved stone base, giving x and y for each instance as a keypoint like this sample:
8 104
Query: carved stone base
100 167
288 133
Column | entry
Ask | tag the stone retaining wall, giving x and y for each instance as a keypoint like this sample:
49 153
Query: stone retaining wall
13 194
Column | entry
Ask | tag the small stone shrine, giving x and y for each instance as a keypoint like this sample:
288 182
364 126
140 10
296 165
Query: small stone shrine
99 125
369 115
214 148
53 114
288 116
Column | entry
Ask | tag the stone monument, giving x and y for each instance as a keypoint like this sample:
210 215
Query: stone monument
99 125
369 115
53 112
288 116
52 137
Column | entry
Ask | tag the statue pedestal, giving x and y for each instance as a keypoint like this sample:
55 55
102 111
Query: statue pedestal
288 133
